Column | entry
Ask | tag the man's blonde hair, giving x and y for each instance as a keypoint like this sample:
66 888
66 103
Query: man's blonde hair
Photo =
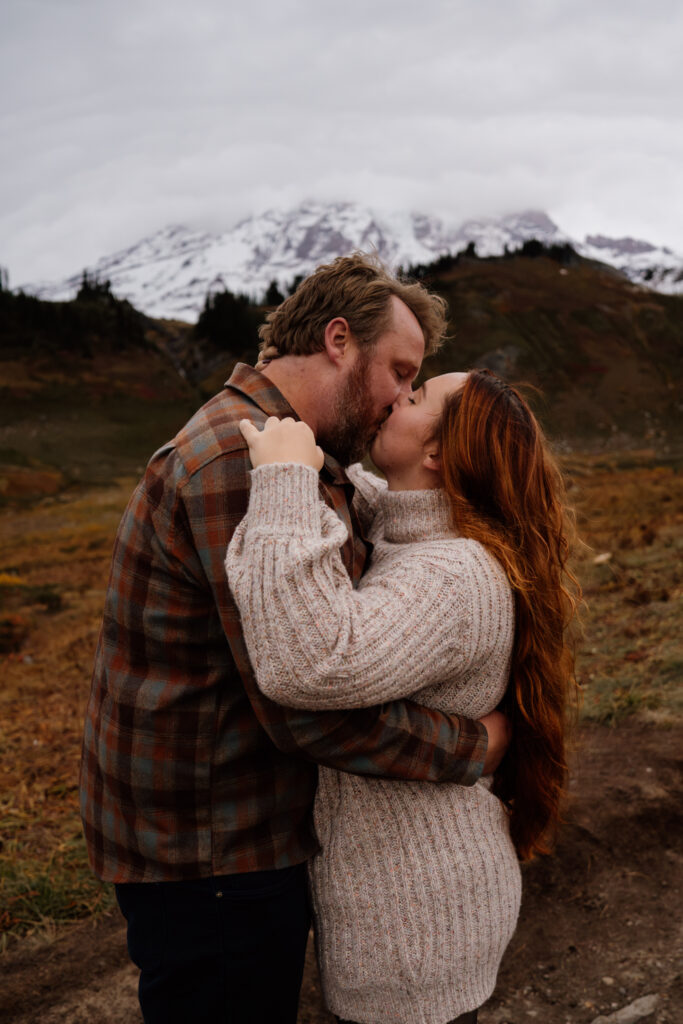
358 288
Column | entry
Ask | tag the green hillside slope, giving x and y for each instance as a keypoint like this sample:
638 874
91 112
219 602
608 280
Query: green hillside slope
89 389
607 354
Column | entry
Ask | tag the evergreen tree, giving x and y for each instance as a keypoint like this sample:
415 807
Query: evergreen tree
532 248
92 289
273 295
227 320
295 284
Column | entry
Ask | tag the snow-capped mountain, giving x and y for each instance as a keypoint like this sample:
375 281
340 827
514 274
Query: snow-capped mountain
170 273
657 267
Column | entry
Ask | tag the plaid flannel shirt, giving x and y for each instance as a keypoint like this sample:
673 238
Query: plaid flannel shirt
187 769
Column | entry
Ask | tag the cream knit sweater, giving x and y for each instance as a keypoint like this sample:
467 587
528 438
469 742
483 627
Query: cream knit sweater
416 890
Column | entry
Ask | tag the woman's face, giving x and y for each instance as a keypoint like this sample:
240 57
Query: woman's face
402 443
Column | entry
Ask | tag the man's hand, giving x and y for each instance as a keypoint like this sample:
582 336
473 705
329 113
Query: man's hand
500 734
284 440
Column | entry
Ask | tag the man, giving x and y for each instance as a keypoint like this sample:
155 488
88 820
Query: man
196 790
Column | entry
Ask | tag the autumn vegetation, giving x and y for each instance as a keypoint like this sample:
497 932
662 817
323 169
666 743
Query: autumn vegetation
89 389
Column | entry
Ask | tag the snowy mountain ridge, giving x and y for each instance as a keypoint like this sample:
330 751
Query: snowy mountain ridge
168 274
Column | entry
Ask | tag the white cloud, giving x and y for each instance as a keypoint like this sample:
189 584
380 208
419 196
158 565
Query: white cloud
123 117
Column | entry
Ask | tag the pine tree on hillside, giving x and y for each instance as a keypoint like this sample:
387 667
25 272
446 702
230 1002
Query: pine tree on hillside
296 281
273 295
92 289
227 320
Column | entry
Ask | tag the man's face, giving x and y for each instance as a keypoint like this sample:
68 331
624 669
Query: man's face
375 380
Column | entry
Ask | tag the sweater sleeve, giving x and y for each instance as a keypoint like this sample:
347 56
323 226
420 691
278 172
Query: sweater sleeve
314 641
368 492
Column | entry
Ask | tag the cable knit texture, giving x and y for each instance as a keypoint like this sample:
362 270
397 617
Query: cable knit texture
416 891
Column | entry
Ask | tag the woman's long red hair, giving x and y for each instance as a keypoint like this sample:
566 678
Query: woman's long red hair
506 491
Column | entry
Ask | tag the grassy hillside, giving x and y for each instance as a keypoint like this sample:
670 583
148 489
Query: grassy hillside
607 354
86 419
89 388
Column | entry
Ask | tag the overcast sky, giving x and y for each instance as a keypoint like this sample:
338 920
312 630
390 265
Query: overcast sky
119 118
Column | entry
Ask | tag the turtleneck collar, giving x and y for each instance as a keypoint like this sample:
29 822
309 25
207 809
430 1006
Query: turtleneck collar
416 515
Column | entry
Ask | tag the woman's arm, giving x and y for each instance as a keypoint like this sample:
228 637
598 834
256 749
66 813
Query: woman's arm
315 642
368 492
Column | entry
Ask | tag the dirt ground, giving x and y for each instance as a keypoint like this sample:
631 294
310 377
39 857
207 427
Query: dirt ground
600 926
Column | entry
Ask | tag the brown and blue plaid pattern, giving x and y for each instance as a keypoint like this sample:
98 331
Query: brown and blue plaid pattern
187 769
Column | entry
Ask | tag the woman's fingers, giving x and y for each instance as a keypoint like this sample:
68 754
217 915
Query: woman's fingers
248 430
285 440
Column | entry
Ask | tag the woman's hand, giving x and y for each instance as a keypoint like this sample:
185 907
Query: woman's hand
284 440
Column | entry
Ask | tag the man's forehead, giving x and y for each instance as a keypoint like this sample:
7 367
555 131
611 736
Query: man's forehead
400 346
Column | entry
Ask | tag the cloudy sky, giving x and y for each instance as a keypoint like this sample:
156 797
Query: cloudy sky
118 118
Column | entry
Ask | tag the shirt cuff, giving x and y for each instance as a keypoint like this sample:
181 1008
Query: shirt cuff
284 499
468 763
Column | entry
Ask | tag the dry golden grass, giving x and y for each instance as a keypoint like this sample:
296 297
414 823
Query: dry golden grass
54 557
631 514
54 564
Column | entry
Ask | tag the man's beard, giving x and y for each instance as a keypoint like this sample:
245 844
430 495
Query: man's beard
353 425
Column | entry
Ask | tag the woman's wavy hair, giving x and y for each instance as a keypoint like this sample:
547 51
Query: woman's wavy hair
507 492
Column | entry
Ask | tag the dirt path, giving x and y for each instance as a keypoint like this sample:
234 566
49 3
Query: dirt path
600 927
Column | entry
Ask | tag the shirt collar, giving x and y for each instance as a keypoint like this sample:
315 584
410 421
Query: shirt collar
263 393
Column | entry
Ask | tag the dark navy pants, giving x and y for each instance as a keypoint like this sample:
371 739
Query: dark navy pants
223 950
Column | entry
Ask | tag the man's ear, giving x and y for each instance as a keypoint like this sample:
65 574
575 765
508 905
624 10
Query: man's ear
337 339
432 460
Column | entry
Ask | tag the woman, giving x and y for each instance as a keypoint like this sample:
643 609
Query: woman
416 890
